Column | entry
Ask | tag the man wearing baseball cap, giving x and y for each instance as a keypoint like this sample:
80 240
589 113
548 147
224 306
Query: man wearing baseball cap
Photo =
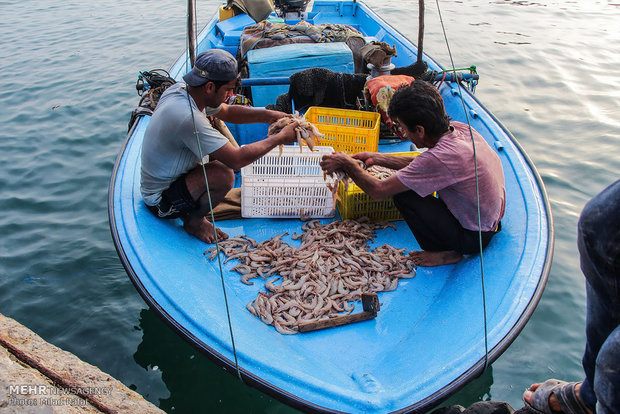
179 134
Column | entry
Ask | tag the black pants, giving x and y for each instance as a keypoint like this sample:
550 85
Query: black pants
434 226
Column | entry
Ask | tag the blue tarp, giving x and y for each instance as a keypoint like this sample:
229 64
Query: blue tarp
288 59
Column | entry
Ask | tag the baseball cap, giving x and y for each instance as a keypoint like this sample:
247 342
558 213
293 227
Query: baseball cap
214 65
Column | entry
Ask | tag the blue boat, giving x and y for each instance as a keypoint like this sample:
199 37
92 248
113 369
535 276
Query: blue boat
433 334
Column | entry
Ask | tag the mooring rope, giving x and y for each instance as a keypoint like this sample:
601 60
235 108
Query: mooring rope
219 260
484 305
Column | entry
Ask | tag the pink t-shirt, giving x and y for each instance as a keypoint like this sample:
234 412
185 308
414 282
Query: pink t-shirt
448 169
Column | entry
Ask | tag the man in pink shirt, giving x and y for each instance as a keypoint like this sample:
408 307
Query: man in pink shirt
446 227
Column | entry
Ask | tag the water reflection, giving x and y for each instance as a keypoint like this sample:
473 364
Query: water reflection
477 390
195 384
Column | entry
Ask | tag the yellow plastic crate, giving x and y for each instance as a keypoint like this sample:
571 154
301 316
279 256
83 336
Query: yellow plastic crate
354 203
346 130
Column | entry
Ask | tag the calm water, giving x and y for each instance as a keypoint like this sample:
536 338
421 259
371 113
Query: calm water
549 71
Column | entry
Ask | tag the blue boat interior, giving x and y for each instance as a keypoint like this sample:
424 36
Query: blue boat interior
430 337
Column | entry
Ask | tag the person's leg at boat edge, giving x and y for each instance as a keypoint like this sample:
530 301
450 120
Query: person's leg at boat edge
599 248
598 241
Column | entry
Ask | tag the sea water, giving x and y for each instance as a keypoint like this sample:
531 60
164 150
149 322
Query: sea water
549 71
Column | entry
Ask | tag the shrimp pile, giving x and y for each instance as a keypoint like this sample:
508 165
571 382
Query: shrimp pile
322 278
306 131
380 172
340 176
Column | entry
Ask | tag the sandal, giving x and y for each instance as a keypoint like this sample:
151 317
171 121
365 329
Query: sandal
565 394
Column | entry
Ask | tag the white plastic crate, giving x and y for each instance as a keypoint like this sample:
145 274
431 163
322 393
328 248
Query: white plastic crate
286 197
292 163
289 186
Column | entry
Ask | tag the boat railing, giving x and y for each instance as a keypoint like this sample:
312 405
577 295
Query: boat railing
285 80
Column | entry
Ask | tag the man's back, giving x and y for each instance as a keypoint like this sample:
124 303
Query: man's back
449 169
170 148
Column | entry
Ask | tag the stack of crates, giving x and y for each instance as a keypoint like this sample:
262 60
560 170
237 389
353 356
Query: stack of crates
291 185
353 132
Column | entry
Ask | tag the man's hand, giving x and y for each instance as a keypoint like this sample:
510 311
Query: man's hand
384 160
336 161
288 135
368 158
275 115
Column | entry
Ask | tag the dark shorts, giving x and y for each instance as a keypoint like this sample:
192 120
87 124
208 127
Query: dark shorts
176 201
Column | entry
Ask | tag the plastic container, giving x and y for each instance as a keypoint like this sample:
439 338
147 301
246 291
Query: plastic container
286 197
287 186
346 130
295 161
354 203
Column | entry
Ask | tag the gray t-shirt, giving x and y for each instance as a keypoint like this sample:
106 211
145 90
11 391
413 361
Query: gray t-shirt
170 148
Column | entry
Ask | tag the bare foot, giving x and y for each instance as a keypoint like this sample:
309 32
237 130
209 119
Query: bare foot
429 259
202 229
554 405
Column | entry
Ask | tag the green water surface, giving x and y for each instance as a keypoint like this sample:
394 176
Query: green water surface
549 71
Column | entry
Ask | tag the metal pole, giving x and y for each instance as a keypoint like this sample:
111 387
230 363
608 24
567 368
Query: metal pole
420 29
190 32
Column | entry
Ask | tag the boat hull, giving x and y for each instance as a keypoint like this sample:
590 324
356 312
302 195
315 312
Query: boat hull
430 337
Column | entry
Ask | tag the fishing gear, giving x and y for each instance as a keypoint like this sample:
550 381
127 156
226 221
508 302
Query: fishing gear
470 79
153 79
150 86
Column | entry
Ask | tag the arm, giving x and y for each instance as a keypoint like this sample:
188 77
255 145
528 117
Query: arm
236 158
384 160
239 114
377 189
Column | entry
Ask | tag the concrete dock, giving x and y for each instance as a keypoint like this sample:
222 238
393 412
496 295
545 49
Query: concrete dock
38 377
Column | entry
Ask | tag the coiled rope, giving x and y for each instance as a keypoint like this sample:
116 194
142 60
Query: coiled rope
484 305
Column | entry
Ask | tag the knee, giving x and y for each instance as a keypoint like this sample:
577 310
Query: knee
406 198
398 200
221 176
228 177
599 231
590 220
599 215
